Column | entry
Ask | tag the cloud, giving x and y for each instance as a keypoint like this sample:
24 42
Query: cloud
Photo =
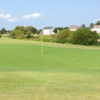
13 20
35 15
2 16
7 17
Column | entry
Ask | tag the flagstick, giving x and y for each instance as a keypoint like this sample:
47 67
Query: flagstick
41 41
41 46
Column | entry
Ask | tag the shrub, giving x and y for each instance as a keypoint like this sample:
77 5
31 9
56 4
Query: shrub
54 40
0 35
63 35
53 35
29 34
45 38
61 40
84 36
99 35
69 38
16 34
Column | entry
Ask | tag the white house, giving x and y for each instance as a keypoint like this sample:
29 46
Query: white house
73 27
96 28
48 30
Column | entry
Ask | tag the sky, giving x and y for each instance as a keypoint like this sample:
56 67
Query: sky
45 13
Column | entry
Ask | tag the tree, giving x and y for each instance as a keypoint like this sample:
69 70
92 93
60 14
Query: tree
91 25
8 31
21 28
83 25
29 34
0 31
3 30
16 34
57 29
17 28
31 29
98 23
38 31
84 36
0 34
63 35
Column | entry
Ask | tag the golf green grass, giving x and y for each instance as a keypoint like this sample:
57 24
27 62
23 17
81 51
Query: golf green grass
63 72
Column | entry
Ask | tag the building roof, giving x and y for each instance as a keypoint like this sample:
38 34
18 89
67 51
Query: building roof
74 27
47 27
96 26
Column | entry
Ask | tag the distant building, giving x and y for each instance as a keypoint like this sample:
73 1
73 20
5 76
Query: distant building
96 28
73 27
7 33
48 30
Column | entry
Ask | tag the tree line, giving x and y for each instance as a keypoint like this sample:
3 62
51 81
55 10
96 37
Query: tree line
23 32
92 24
83 35
3 31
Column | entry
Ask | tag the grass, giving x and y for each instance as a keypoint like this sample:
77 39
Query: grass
63 72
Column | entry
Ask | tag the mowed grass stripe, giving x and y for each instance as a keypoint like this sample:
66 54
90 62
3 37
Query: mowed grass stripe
58 74
29 56
17 41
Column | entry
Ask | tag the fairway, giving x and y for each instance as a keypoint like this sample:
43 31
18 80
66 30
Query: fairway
63 72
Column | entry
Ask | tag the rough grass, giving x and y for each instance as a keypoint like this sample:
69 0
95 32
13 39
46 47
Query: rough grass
61 73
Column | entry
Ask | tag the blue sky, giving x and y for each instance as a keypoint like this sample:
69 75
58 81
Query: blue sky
42 13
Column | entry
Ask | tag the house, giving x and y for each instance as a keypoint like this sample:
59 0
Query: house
96 28
48 30
73 27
